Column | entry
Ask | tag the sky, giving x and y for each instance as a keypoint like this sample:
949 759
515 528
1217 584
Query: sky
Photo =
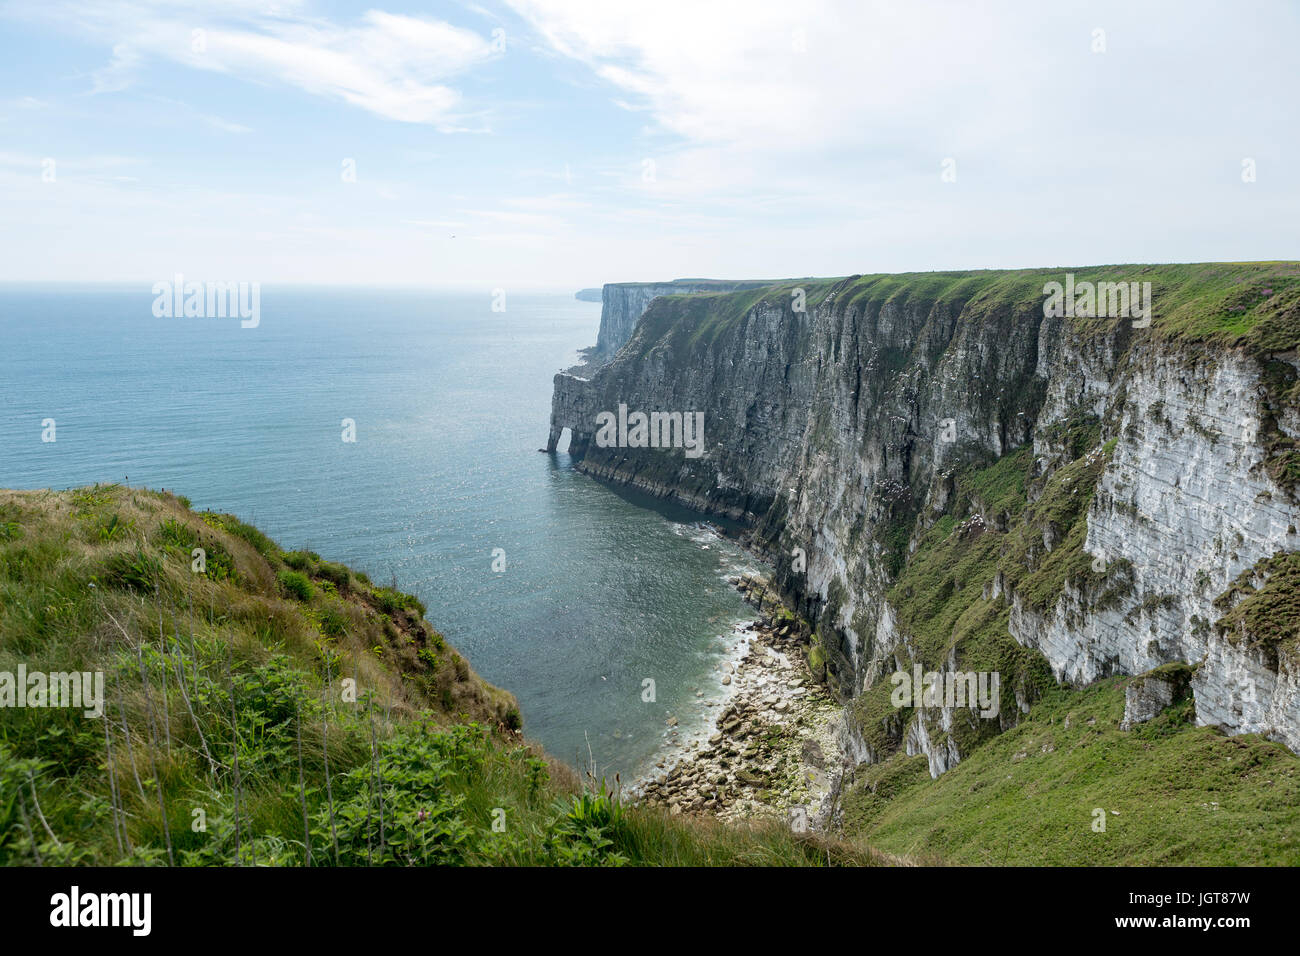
568 143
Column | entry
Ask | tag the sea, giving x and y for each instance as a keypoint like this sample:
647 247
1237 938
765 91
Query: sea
607 613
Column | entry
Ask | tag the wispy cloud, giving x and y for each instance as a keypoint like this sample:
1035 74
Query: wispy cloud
216 122
208 119
117 75
393 65
80 164
782 139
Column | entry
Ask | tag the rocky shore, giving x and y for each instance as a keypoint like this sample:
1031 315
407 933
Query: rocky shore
774 749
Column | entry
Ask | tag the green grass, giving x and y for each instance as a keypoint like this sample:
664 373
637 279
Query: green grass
296 584
425 762
1263 604
1253 304
1183 794
1008 522
293 709
1173 794
943 595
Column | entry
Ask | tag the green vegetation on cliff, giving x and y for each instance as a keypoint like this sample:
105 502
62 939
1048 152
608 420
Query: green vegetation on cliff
270 707
1253 304
952 594
1171 793
826 425
1263 605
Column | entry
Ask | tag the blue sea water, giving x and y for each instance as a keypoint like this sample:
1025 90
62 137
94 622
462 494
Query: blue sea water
601 589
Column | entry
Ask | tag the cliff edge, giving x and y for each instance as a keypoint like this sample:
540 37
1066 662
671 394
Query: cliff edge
1051 475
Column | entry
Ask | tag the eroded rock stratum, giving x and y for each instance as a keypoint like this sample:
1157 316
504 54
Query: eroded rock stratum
943 475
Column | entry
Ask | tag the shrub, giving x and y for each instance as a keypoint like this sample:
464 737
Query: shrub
229 523
391 601
299 560
115 528
86 501
220 564
337 574
585 836
424 821
264 545
296 584
179 538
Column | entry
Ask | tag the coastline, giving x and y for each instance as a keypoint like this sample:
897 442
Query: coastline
773 748
767 741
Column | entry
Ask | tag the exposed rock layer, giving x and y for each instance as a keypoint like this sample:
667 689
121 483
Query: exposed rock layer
840 433
623 303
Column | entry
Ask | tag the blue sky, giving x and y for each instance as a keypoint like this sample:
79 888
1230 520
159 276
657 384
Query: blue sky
567 143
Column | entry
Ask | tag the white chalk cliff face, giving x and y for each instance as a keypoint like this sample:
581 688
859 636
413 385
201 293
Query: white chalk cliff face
623 303
1188 502
840 435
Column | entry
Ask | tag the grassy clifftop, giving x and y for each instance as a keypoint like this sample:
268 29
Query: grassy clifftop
270 707
1253 304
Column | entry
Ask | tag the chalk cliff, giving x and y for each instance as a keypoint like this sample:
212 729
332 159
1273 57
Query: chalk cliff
944 475
623 303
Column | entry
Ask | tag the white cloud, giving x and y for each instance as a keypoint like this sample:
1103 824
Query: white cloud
558 202
799 75
118 74
796 100
812 134
789 139
392 65
226 126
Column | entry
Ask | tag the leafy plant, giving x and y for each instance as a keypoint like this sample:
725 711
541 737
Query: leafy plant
585 836
136 571
423 822
115 528
176 534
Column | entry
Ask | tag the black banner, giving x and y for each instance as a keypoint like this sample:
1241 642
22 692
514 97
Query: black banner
143 906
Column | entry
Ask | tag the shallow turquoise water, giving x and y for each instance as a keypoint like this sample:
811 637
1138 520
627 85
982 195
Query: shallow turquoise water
600 591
